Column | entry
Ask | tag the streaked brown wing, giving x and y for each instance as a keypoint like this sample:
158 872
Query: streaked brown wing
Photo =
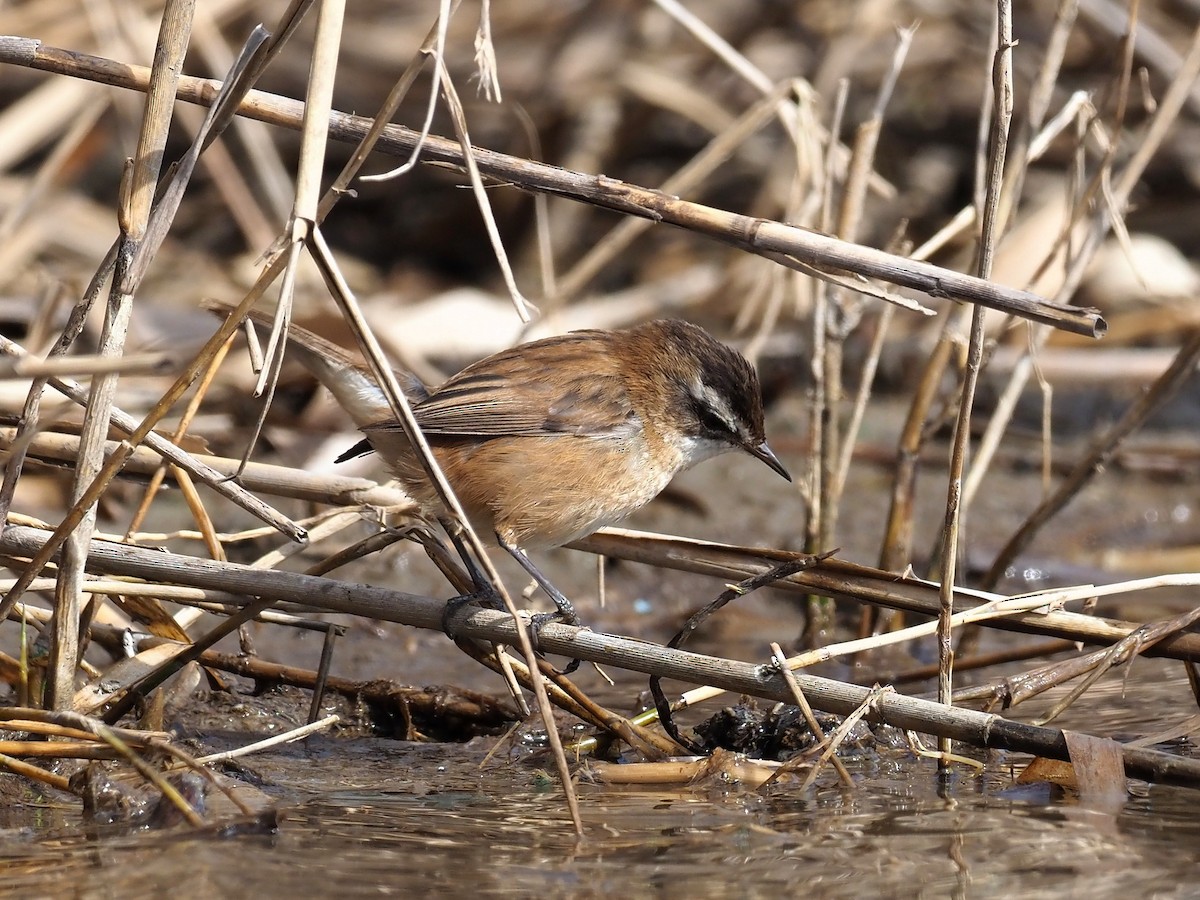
563 385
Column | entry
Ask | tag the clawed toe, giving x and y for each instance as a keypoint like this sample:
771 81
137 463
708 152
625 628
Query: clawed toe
539 621
485 597
489 599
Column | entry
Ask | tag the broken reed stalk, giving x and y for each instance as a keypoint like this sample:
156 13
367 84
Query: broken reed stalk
992 225
134 216
982 729
756 235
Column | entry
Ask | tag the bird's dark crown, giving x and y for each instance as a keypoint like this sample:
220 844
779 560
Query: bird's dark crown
716 388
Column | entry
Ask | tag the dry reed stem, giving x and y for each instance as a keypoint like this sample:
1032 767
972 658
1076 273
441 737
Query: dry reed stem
992 225
986 612
1114 209
185 420
789 114
434 46
761 681
896 551
842 316
150 774
262 478
756 235
1016 689
568 696
459 117
34 773
853 202
105 742
130 364
168 451
485 710
48 172
692 174
275 740
869 704
806 710
839 579
136 247
1148 45
1020 653
1028 144
821 398
1120 653
302 219
122 701
211 601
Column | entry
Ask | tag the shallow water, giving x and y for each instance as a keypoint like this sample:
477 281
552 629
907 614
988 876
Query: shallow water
409 819
372 817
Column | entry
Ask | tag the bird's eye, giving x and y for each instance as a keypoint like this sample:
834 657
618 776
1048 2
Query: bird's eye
711 420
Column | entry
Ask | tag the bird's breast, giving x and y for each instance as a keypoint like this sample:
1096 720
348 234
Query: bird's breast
550 490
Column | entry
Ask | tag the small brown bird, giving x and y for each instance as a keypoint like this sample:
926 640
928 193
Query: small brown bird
548 441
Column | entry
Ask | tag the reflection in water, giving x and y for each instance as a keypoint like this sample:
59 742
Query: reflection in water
494 833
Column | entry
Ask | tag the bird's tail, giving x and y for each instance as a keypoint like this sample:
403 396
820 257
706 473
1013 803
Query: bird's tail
344 375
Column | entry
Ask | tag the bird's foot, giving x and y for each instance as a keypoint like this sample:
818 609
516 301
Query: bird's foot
489 598
541 620
486 597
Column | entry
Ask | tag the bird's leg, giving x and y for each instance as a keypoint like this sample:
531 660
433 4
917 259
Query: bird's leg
484 593
566 612
477 577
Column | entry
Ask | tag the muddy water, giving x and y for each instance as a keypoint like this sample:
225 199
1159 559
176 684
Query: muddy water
371 818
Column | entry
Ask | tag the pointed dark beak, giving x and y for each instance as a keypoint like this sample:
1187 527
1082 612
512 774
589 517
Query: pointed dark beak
763 452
